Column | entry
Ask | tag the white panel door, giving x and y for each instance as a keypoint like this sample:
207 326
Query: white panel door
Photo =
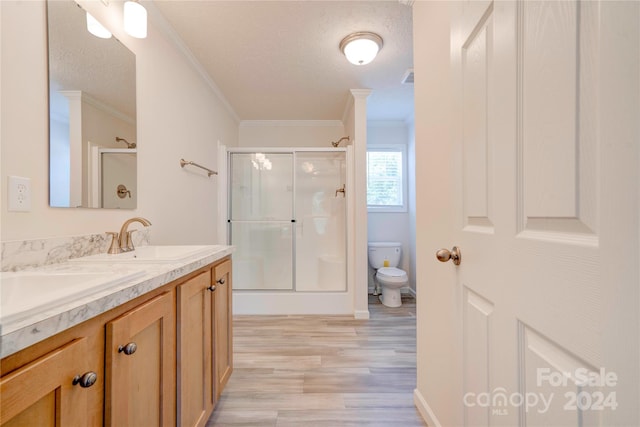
545 150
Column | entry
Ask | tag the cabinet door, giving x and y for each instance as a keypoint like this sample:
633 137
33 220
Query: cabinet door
140 366
223 325
43 392
195 367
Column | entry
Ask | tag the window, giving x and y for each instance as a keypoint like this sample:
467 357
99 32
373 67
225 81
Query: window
386 178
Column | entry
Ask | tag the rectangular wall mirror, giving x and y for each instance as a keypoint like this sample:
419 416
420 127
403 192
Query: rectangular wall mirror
92 114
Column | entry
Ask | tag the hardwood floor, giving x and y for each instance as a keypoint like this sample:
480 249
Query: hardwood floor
323 370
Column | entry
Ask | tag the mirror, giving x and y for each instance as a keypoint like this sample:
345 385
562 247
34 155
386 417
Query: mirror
92 114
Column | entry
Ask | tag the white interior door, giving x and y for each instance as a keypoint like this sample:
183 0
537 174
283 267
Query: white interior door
540 320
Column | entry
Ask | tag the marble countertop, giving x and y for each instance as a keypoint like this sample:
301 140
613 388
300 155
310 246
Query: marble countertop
18 335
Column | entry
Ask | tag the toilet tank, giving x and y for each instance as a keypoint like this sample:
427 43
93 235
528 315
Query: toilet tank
379 252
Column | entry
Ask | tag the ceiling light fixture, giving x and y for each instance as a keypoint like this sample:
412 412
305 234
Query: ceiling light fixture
135 19
362 47
96 28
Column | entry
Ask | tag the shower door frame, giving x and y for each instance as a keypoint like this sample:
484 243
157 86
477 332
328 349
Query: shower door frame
291 301
348 178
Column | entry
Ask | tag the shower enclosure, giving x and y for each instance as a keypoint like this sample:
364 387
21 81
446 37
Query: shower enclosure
287 219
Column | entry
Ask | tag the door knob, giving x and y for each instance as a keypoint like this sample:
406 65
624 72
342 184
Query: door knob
445 255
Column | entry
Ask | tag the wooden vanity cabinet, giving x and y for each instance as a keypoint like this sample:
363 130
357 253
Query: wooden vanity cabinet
182 336
223 325
140 366
57 389
195 358
205 358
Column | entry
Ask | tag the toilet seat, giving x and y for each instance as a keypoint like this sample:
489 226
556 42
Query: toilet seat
392 275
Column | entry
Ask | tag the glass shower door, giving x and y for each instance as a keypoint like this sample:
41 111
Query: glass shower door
261 220
320 211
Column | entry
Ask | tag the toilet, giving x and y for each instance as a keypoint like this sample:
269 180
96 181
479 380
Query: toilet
384 257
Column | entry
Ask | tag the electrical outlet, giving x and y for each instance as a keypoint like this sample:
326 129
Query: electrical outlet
19 194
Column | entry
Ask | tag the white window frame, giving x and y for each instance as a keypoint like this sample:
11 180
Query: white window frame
402 148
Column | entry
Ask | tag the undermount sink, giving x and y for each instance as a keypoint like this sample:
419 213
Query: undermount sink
150 254
23 294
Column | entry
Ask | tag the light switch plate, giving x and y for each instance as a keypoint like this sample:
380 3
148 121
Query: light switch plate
19 194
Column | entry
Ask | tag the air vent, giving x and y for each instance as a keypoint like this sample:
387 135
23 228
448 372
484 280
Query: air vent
407 79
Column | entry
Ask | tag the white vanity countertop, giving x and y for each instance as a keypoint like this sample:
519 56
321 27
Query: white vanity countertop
20 334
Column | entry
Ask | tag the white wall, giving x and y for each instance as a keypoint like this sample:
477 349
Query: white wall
392 226
293 133
179 115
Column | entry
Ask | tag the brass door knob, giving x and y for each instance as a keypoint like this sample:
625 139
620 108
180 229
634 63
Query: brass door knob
445 255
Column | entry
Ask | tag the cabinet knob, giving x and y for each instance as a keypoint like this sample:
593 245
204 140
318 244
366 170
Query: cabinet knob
128 349
211 288
221 281
86 380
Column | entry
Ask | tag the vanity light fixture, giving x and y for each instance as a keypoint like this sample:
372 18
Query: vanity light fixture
361 48
135 19
96 28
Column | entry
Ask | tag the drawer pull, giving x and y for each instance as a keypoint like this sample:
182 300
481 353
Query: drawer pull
211 288
221 281
86 380
128 349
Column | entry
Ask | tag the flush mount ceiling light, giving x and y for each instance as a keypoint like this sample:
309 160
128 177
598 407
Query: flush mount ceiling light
135 19
361 48
96 28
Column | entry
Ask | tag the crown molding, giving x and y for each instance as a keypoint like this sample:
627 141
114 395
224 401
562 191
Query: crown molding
163 25
85 97
290 123
361 93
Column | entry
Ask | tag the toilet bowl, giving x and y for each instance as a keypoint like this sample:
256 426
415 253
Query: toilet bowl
391 280
384 257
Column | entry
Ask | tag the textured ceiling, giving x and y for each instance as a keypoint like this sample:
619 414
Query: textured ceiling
102 68
279 60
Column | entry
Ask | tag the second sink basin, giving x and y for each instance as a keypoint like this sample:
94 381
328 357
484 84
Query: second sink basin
25 293
149 254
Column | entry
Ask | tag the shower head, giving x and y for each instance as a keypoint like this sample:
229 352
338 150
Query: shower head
336 143
129 144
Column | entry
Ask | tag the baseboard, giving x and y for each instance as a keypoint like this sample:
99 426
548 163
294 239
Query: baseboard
361 314
424 409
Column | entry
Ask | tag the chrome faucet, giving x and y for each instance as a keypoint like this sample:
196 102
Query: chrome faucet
125 244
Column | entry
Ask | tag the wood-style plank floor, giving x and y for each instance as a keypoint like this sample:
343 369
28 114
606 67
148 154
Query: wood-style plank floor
323 370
